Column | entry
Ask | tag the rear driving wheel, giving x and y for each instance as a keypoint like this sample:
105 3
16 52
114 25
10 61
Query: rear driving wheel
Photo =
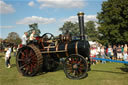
29 60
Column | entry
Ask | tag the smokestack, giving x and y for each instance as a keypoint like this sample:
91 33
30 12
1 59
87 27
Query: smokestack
81 25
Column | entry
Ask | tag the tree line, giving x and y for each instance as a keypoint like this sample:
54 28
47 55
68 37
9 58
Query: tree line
90 29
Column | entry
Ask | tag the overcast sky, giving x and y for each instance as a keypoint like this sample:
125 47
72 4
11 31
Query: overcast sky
16 15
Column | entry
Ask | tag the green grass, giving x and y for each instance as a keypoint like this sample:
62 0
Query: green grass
101 74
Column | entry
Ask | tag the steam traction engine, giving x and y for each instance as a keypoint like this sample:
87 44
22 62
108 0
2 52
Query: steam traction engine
44 53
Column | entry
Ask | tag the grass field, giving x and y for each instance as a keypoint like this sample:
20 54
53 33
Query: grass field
101 74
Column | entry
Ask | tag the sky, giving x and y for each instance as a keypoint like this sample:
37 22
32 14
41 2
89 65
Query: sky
16 15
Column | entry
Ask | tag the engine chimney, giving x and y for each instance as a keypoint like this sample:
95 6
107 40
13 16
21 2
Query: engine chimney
81 25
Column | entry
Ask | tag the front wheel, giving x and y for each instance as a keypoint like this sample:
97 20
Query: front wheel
75 67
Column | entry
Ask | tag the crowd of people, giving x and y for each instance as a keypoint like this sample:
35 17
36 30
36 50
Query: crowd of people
114 52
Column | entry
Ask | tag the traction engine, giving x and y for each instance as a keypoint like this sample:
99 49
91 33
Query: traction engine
44 53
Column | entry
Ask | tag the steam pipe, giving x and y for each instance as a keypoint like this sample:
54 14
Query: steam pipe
81 25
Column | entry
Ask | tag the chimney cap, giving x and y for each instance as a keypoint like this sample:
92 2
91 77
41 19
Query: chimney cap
80 14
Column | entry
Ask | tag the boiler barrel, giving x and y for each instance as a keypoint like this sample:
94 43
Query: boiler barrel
66 49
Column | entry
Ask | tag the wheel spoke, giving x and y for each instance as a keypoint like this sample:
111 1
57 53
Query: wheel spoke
31 53
22 53
34 61
82 68
69 71
69 68
20 60
80 71
31 68
72 60
26 69
79 61
33 57
26 50
69 65
77 73
74 73
23 66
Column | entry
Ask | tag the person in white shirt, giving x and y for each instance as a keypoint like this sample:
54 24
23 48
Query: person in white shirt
125 53
7 58
10 49
24 39
32 35
97 53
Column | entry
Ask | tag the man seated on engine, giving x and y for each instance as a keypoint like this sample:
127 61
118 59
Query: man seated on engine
24 39
32 35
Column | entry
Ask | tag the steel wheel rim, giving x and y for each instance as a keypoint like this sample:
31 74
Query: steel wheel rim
75 67
27 61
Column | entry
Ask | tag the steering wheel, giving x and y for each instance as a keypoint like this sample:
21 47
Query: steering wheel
48 36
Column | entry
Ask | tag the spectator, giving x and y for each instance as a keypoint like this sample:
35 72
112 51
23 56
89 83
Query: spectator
119 53
97 53
114 52
32 35
9 48
14 50
125 57
7 58
24 39
102 51
110 51
5 50
122 49
19 46
125 48
125 52
106 51
93 55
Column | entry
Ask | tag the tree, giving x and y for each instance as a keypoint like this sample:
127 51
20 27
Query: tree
1 40
113 21
13 37
91 31
73 28
34 27
1 44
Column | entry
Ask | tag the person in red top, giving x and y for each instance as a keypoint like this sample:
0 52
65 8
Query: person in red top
106 51
93 54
